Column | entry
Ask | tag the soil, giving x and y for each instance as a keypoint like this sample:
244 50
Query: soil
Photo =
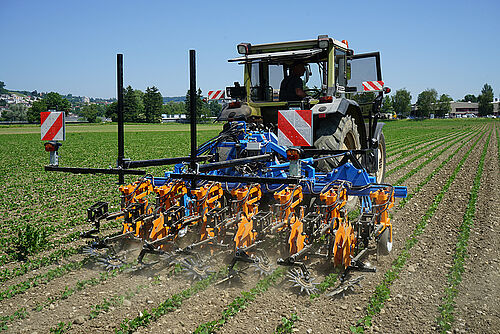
415 295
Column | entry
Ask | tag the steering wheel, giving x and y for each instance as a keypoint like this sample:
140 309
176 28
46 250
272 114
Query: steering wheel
313 92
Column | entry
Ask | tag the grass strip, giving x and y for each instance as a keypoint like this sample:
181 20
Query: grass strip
169 305
287 324
382 291
423 164
240 302
454 278
404 201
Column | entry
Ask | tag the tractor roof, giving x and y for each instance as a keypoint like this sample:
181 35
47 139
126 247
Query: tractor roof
283 51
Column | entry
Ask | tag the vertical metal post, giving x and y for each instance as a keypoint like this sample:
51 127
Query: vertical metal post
192 108
121 149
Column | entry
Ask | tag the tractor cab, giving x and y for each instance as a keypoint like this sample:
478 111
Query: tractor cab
331 72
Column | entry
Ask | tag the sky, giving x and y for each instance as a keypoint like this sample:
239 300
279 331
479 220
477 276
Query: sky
71 46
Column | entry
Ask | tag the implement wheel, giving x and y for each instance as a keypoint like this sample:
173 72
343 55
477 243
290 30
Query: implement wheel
385 242
337 133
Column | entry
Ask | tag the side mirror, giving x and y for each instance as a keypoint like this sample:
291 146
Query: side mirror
308 73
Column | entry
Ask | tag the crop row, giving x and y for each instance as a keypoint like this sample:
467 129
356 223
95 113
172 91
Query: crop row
382 290
455 273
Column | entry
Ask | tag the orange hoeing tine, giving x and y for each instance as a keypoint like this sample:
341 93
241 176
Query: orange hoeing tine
289 198
252 195
381 198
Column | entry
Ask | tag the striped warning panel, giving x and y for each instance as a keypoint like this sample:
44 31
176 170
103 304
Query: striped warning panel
216 94
373 86
295 128
52 125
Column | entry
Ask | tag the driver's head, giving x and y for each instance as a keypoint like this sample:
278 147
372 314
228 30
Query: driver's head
299 69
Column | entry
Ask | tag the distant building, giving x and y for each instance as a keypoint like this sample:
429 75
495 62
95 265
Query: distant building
461 109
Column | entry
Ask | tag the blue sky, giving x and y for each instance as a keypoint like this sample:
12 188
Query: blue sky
71 46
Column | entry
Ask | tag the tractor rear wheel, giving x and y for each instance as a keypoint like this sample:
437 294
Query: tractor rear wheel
338 133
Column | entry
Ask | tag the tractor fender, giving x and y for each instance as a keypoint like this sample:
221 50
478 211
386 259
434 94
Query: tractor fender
378 130
343 106
241 113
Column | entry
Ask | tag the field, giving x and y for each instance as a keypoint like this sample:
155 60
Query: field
442 273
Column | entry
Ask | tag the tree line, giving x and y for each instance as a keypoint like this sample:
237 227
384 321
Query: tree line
430 102
139 107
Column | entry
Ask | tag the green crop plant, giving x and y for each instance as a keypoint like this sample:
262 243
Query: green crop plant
30 239
287 324
454 277
382 290
240 302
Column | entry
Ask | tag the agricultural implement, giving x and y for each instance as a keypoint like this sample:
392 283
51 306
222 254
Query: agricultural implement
283 177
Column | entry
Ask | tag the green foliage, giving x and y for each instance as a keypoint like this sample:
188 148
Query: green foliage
426 103
34 112
16 112
401 102
287 324
470 98
55 101
30 239
443 105
111 111
51 101
153 103
387 105
454 276
133 106
90 112
2 88
202 109
18 315
62 327
485 107
174 108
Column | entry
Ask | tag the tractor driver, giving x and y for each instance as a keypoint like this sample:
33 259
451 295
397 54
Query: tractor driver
291 88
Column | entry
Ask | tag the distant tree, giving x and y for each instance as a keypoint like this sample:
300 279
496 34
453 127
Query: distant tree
153 102
363 98
2 88
443 105
215 109
133 107
470 98
172 108
111 111
485 107
34 112
55 101
401 102
201 107
90 112
387 105
426 102
16 112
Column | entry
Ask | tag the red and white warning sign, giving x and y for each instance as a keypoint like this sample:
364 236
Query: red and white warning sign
295 128
373 86
53 125
216 94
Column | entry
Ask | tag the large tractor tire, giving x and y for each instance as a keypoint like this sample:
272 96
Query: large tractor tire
337 133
